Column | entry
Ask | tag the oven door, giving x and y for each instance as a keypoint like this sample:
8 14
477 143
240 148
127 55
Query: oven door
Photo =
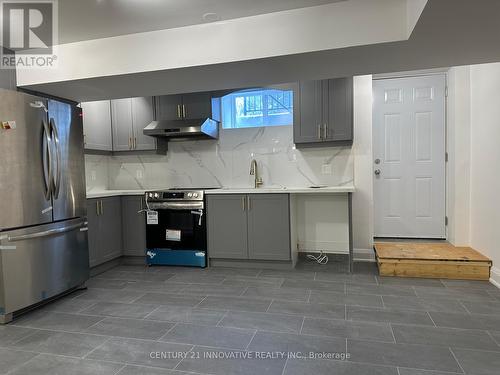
178 229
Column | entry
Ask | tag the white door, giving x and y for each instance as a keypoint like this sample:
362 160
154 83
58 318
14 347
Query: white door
409 157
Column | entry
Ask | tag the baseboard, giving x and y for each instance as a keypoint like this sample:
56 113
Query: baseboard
495 276
364 255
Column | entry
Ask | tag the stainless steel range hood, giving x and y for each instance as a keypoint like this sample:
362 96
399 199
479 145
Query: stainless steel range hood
205 128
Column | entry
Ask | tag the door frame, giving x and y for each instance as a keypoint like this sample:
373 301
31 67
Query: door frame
415 74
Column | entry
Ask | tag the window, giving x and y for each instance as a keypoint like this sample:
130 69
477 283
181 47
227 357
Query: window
256 108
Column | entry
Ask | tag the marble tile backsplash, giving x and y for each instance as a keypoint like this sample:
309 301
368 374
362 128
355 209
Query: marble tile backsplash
96 172
226 163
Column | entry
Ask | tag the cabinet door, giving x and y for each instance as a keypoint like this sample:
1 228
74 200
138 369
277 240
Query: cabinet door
339 118
142 115
197 105
169 107
111 228
268 227
307 130
227 226
134 226
93 225
97 125
121 116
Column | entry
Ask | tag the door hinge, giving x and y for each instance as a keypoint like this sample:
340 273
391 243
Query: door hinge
446 157
446 220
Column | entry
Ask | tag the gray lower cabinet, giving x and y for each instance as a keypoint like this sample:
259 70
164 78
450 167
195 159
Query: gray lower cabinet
249 226
326 112
268 227
227 226
105 229
133 225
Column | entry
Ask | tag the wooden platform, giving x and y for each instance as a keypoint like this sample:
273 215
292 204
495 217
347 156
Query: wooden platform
431 260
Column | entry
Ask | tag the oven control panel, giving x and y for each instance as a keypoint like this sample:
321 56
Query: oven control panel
175 195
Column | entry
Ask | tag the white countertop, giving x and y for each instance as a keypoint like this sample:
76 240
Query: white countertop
262 190
112 193
289 190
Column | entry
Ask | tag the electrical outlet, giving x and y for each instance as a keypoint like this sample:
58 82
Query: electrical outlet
93 175
139 174
326 169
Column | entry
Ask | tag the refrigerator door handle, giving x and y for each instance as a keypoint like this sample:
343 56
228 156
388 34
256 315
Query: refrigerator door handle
47 161
57 174
46 233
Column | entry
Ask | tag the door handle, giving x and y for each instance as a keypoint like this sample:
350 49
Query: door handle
377 172
47 161
45 233
57 176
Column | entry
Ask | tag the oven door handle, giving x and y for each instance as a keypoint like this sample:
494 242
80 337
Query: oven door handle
175 206
200 213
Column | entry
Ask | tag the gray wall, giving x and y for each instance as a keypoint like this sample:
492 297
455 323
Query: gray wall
8 78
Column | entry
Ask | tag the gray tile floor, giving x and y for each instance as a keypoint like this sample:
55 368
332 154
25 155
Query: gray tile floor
163 321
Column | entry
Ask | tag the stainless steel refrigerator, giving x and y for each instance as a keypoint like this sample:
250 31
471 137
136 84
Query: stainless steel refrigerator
43 227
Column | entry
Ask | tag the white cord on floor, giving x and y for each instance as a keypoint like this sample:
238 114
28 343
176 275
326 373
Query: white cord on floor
320 259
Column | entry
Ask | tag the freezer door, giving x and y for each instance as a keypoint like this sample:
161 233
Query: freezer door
41 262
24 161
66 128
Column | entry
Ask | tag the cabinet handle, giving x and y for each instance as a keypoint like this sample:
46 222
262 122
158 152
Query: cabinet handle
243 203
102 208
183 111
135 143
319 131
129 143
97 208
325 131
178 111
248 203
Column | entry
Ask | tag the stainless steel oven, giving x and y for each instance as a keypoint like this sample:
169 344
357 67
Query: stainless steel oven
176 231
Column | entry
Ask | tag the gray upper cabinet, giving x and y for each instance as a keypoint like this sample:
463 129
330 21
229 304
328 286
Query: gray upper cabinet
227 226
129 118
197 105
121 111
184 107
105 229
326 112
169 107
339 124
252 227
134 226
97 125
142 115
308 130
268 227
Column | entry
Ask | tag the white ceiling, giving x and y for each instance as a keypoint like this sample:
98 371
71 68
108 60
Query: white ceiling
93 19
